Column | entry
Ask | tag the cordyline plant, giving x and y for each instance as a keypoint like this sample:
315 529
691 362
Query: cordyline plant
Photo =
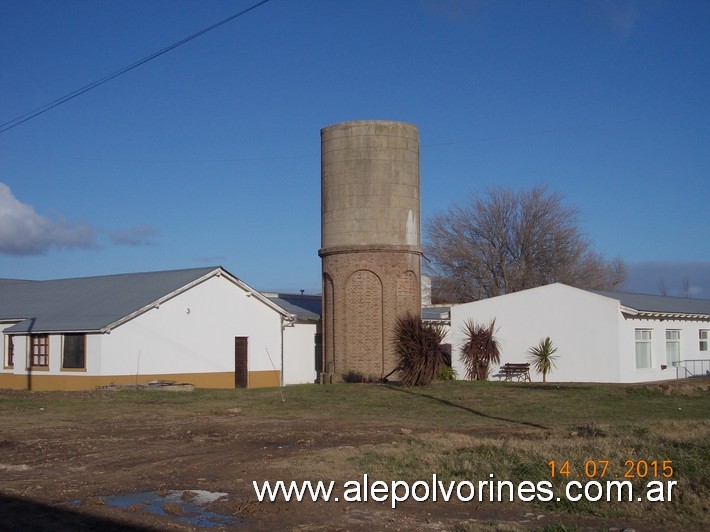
419 350
480 350
542 357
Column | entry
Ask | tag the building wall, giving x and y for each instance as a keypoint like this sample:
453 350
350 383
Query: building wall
19 343
583 326
168 342
53 377
689 347
300 353
201 340
595 341
4 326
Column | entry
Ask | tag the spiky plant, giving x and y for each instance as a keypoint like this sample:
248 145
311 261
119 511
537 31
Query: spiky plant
446 373
480 350
419 350
542 357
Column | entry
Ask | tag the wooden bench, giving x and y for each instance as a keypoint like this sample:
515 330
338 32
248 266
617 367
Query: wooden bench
517 372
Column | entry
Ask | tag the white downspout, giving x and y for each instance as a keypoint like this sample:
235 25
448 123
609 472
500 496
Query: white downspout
285 322
283 326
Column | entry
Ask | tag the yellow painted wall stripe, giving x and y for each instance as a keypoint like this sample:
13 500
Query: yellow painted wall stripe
76 382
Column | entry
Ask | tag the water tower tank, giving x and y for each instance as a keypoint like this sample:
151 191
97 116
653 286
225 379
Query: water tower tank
370 243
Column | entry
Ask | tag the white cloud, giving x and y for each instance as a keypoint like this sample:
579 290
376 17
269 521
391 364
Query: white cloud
139 235
25 232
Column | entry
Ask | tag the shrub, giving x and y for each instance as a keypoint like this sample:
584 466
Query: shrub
542 357
420 351
480 350
353 376
446 373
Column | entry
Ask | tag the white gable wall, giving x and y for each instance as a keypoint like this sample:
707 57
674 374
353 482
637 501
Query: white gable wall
583 326
169 338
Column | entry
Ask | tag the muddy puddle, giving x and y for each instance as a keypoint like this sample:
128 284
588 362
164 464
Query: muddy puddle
185 506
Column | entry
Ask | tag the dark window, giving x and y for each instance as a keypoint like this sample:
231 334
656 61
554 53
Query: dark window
10 351
39 355
73 356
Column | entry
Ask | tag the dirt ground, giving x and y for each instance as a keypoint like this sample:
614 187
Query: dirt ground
56 471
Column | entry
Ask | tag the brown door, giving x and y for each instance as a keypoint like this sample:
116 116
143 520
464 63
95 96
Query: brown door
241 371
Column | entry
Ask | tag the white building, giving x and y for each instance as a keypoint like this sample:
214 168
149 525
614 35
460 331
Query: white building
201 326
600 336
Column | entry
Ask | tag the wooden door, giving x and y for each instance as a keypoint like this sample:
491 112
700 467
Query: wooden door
241 369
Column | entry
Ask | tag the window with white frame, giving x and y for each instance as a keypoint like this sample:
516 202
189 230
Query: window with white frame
39 350
672 347
643 348
704 336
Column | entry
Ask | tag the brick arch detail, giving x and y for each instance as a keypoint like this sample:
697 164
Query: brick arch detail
328 320
408 290
364 300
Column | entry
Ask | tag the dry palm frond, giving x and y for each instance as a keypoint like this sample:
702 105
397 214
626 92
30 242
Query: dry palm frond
419 349
480 350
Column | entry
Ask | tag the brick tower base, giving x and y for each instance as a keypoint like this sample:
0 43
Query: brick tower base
365 289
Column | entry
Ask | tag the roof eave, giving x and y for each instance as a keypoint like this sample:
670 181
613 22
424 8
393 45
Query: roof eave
650 315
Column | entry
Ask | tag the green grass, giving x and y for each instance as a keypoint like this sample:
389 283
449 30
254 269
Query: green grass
470 402
459 430
459 406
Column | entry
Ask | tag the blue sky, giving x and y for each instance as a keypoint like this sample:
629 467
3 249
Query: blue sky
210 154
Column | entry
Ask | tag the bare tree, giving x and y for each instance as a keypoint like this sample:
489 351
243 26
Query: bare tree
662 287
685 287
508 241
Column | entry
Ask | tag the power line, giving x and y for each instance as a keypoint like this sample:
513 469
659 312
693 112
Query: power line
78 92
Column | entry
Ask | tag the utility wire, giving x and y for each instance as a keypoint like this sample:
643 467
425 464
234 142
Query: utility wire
78 92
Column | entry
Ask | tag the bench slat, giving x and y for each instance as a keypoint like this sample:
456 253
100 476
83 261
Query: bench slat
519 371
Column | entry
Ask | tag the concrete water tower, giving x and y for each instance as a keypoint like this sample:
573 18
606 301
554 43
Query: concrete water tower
370 242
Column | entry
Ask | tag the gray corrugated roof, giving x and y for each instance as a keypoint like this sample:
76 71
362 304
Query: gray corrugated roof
87 303
659 304
438 313
310 307
303 307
